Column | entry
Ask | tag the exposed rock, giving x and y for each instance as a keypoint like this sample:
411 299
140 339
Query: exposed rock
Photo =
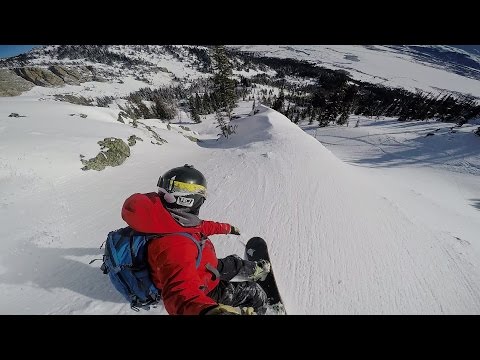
39 76
15 115
119 118
191 138
157 137
132 140
78 100
116 153
69 76
99 79
17 80
11 84
87 73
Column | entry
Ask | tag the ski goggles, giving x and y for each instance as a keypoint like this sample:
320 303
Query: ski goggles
181 188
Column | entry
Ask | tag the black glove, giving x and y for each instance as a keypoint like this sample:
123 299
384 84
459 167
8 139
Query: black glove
234 230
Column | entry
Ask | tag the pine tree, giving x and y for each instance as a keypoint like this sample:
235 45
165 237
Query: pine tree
278 103
206 104
193 110
342 119
226 128
198 105
223 84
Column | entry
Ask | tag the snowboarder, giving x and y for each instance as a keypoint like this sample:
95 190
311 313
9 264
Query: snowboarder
188 289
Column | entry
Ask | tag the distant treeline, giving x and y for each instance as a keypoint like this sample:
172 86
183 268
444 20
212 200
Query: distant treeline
333 95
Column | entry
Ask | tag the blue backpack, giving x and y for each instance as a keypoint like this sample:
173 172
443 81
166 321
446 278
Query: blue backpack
125 262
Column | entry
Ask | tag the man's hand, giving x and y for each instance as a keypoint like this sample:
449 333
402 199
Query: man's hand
221 309
262 268
248 311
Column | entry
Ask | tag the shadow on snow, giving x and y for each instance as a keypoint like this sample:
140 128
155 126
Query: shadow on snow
249 130
475 203
432 150
51 268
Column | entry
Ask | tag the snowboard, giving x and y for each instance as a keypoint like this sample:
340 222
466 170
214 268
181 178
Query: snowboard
256 249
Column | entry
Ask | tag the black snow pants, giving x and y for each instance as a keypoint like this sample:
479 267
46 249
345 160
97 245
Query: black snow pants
242 293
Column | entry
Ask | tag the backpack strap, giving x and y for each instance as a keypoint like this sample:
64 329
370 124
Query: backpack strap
199 244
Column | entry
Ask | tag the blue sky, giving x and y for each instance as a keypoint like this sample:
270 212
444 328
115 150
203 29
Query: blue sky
12 50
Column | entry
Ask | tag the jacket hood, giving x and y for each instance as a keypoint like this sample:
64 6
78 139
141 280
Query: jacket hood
146 213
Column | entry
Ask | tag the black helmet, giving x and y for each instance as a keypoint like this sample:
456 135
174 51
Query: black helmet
184 187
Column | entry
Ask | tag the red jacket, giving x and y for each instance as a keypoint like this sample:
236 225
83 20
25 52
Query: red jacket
172 258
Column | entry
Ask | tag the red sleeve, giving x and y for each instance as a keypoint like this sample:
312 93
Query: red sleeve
181 291
212 228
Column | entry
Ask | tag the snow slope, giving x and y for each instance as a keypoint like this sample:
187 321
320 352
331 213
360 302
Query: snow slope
339 246
429 169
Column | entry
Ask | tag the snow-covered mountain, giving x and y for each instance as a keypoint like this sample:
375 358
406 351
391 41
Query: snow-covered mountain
90 70
428 68
379 218
431 68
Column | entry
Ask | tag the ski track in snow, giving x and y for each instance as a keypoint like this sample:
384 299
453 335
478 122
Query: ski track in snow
340 244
